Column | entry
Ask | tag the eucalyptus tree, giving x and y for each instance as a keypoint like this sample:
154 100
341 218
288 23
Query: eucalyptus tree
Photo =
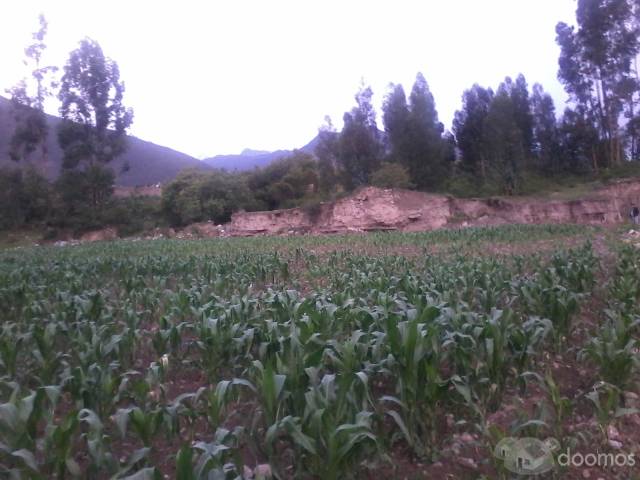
415 134
360 147
93 132
28 99
596 67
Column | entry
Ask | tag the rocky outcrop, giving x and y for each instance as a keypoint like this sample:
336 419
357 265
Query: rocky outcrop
496 212
374 209
105 234
270 223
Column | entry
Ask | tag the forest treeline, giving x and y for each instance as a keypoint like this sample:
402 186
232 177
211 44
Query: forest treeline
506 139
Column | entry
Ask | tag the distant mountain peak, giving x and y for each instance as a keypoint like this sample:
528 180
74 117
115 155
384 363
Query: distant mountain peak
250 159
249 152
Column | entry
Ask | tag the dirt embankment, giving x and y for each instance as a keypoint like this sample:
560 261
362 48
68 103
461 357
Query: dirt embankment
374 209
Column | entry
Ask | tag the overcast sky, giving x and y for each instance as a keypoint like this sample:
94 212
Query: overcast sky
212 77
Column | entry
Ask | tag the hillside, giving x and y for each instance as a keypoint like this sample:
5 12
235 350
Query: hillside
149 163
250 159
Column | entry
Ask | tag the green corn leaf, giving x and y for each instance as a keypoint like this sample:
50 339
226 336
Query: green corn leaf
401 425
184 464
28 458
148 473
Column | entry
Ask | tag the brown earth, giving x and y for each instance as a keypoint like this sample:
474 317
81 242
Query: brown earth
374 209
100 235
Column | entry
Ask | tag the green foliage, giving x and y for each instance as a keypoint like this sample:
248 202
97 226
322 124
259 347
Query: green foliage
133 215
25 197
614 350
326 151
284 182
396 119
391 175
30 132
469 130
95 121
91 96
597 69
495 134
504 141
82 197
197 196
11 198
546 146
359 146
416 135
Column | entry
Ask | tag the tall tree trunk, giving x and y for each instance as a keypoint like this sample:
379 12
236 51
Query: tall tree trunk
601 110
607 121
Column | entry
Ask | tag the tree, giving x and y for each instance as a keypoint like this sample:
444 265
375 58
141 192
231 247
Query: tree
25 197
195 196
284 182
415 134
94 130
631 92
469 131
31 130
504 141
326 151
359 146
546 137
11 193
37 195
633 132
578 141
395 116
426 161
596 70
518 92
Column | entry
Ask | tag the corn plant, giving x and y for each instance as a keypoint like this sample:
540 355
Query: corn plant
415 361
333 435
216 459
556 408
145 424
319 352
614 351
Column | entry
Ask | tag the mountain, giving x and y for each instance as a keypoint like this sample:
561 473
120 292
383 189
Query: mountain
148 163
249 152
249 159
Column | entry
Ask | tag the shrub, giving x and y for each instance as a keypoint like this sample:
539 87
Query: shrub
196 196
391 175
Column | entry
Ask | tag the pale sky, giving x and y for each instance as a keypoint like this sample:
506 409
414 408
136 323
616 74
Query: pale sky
213 77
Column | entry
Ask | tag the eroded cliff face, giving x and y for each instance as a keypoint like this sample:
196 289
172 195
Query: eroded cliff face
374 209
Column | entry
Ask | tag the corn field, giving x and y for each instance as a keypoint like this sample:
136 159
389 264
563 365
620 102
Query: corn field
341 357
